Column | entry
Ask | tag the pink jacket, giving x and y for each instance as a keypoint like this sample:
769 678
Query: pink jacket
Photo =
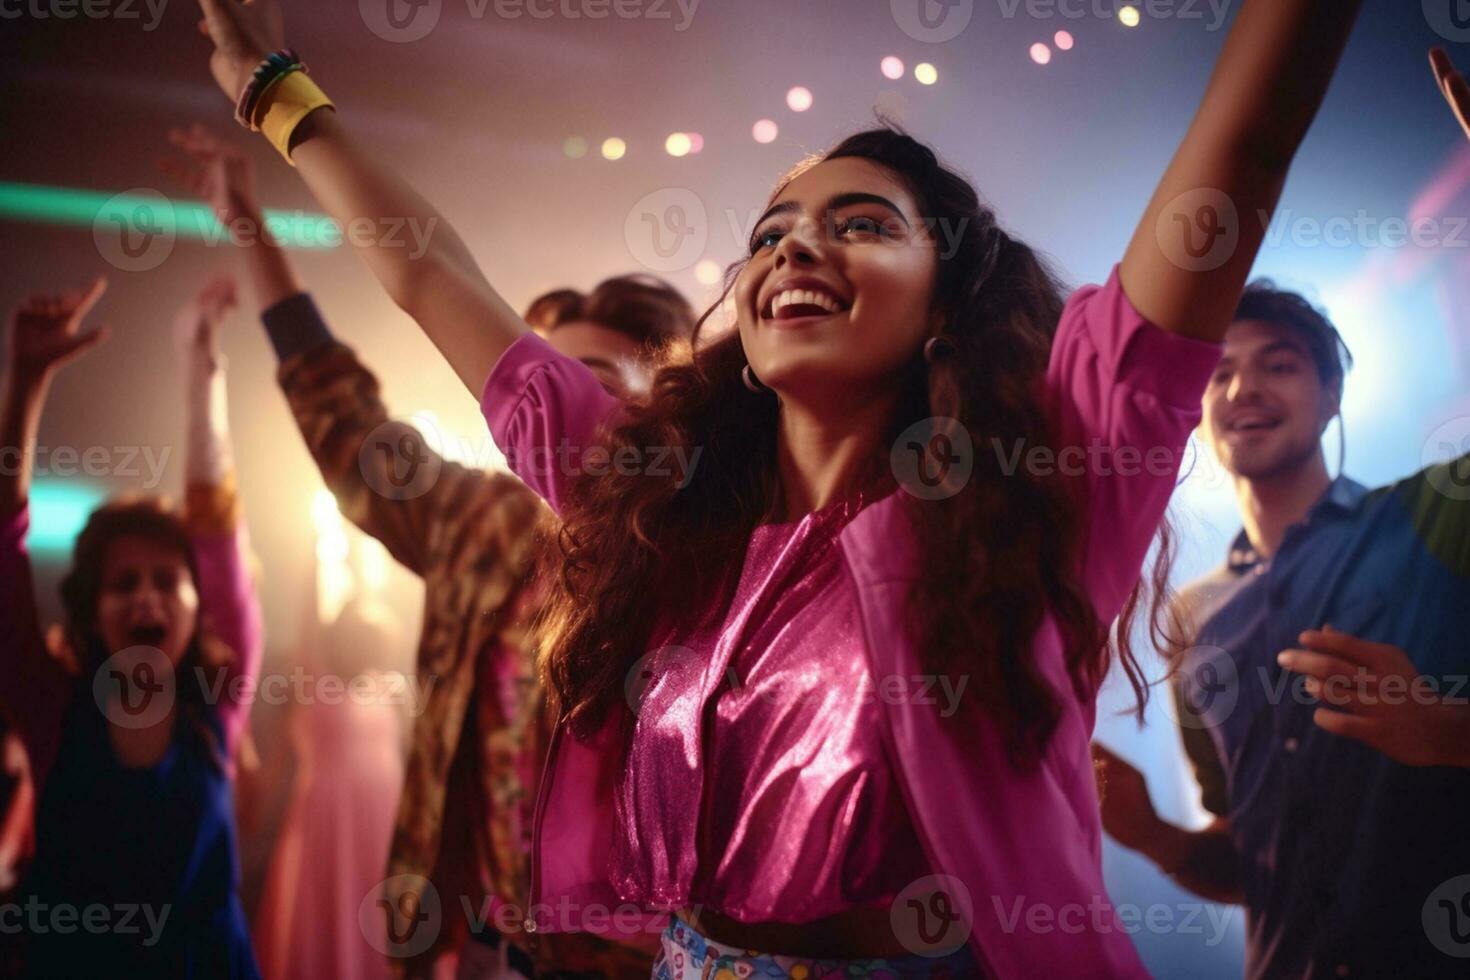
1124 396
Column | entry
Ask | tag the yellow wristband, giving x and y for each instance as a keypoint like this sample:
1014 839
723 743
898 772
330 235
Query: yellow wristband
282 107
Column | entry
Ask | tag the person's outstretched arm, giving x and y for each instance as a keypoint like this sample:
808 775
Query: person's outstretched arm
386 478
1192 253
212 512
45 334
1204 861
443 288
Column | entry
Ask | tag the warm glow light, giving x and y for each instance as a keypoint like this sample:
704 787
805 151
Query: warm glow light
892 67
696 142
1040 53
926 73
575 147
1129 16
1063 41
613 148
707 272
799 99
679 144
764 131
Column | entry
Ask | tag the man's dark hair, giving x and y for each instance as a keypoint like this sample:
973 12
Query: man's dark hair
1292 311
640 306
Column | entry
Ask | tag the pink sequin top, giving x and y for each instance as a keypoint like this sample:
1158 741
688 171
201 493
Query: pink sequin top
793 739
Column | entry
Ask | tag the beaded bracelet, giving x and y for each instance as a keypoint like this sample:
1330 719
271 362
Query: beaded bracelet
270 70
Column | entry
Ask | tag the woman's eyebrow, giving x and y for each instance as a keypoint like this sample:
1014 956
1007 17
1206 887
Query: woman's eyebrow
837 203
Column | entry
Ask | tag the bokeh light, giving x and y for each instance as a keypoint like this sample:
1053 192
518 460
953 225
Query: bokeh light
799 99
1063 40
696 142
679 144
1129 16
613 148
575 147
926 73
765 131
892 68
1040 53
707 272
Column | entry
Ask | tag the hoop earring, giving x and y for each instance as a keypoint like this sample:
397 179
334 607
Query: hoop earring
935 346
752 382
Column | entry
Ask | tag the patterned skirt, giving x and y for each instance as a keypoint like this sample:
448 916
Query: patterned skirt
685 954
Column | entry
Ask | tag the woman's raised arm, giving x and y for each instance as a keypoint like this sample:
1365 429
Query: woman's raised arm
442 288
1193 250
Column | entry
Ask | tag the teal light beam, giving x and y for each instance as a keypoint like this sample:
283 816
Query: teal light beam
185 219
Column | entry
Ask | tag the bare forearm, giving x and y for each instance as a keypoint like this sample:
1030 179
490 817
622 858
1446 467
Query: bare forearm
438 283
20 418
271 274
1226 179
209 458
1203 861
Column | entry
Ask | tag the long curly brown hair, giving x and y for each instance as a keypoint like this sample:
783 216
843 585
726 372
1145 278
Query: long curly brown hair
998 556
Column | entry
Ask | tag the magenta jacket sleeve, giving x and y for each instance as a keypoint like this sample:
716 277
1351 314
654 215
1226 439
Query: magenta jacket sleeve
34 688
231 609
1124 396
544 411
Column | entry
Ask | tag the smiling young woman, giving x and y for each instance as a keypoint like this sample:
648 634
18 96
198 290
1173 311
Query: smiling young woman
725 651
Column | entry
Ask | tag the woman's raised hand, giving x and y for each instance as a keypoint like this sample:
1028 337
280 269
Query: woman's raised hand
196 328
218 171
243 34
46 332
1452 85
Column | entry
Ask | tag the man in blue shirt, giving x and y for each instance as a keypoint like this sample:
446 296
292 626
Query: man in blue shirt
1324 701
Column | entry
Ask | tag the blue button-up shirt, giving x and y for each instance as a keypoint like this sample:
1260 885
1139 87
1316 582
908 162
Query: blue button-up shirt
1342 849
